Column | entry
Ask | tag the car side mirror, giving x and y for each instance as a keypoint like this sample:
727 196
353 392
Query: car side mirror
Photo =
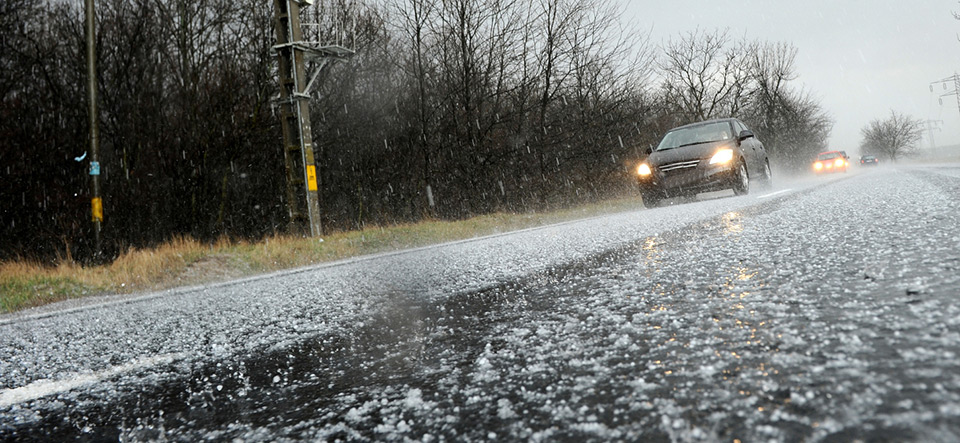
648 150
745 134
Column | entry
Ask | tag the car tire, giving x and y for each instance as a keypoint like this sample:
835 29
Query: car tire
741 180
766 182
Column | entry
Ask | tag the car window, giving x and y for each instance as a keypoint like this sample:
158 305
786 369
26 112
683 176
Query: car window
706 133
828 156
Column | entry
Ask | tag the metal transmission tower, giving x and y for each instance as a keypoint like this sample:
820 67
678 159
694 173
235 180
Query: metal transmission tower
955 79
292 52
933 125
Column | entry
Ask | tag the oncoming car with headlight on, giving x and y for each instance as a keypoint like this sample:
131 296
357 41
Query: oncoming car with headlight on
701 157
830 161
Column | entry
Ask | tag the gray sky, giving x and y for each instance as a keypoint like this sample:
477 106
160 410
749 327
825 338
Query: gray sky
861 58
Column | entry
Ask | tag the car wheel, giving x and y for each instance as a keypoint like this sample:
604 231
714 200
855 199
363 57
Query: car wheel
766 182
741 183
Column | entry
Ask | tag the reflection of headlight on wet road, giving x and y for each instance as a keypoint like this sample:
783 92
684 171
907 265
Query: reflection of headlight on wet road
732 223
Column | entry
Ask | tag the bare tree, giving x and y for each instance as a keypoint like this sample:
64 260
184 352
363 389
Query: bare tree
771 68
707 75
704 75
554 19
607 68
792 124
894 137
956 15
415 16
184 119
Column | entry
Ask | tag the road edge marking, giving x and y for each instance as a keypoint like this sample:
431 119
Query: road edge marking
46 387
774 193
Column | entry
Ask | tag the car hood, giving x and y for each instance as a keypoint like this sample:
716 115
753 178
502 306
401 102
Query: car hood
687 153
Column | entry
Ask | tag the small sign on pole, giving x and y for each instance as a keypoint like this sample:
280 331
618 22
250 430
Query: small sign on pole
311 178
96 209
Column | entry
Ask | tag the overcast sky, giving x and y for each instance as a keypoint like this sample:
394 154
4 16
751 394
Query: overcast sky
861 58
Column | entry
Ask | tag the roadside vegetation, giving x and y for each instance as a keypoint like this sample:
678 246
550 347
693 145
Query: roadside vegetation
186 261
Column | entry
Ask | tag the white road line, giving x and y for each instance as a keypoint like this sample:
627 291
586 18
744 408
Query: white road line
43 388
774 193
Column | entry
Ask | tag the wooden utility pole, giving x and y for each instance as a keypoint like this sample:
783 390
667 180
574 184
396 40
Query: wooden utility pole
96 204
302 179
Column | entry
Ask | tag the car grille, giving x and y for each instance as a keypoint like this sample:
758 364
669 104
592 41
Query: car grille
679 166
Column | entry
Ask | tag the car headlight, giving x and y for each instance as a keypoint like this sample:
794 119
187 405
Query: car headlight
839 162
722 156
818 166
644 170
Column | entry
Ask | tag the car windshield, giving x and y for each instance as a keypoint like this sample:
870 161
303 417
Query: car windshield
828 156
693 135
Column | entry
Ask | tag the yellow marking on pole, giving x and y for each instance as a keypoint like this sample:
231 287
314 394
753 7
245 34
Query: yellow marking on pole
311 178
96 206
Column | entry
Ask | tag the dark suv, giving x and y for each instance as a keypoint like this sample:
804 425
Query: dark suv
701 157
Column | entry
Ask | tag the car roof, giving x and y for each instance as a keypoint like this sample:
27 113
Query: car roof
829 152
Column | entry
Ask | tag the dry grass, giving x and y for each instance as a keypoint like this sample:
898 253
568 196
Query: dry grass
184 261
27 284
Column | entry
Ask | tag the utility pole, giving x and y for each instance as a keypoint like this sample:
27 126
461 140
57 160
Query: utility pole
302 180
96 204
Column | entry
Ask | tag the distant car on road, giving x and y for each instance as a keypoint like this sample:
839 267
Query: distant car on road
701 157
869 160
830 161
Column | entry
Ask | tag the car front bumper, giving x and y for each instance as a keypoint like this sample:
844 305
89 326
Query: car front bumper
689 181
830 170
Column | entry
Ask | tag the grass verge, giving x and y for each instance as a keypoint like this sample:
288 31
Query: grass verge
184 261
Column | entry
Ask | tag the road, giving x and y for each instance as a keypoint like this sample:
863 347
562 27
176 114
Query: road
824 309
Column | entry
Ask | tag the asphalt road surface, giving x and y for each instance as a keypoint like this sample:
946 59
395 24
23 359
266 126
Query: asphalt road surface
827 308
